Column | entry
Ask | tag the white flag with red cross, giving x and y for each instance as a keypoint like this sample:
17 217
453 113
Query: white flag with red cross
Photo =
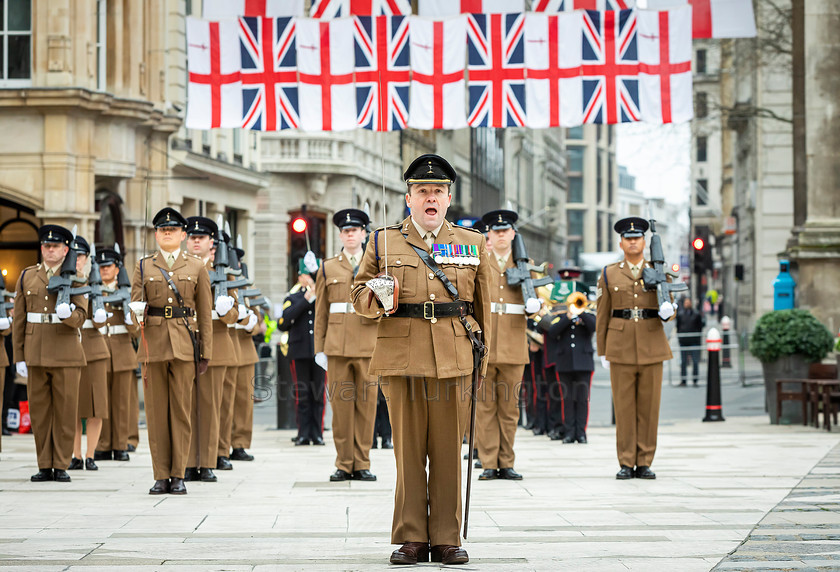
665 92
444 8
325 59
570 5
715 18
226 9
328 9
438 50
214 87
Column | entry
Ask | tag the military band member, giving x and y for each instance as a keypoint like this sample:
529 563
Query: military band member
242 421
498 400
48 350
299 320
423 357
121 363
345 341
207 395
93 383
631 342
167 354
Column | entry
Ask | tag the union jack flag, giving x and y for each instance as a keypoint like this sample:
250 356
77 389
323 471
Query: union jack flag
382 72
327 9
569 5
610 70
496 58
269 73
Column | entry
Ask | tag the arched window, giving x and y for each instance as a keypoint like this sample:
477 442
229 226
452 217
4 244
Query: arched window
109 227
19 246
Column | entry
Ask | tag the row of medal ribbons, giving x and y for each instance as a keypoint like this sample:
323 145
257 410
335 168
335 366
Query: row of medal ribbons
456 254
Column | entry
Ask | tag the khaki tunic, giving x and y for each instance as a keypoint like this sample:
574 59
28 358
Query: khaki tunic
635 349
242 425
424 371
93 383
348 340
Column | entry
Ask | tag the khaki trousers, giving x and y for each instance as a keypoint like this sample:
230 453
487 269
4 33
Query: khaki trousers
115 429
353 395
636 392
2 389
428 417
497 415
134 413
53 410
243 408
226 411
205 418
168 392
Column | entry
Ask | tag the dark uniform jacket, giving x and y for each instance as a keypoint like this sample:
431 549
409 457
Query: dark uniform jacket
299 320
571 344
690 321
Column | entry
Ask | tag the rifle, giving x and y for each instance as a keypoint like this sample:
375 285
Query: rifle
62 285
4 306
221 267
657 277
122 295
95 283
521 273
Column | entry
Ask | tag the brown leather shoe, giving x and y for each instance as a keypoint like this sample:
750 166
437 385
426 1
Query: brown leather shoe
446 554
411 553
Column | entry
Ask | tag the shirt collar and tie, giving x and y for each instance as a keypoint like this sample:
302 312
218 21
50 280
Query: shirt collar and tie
170 257
635 269
502 260
51 271
428 236
353 259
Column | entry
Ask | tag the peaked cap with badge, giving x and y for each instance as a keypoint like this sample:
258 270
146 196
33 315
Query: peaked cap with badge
201 225
347 218
501 219
631 227
105 256
430 168
169 217
80 245
55 233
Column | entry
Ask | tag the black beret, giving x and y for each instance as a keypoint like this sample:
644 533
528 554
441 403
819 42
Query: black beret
201 225
169 217
430 168
351 217
55 233
81 245
500 219
107 255
631 227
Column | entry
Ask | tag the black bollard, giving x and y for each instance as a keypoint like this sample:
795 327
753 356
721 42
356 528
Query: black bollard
726 359
714 409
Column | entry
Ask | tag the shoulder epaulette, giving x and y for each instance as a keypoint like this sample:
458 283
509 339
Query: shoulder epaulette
152 255
472 229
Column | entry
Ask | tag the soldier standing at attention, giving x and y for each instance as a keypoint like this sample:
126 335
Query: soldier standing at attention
631 342
93 383
498 400
175 302
346 340
207 396
48 350
121 363
424 356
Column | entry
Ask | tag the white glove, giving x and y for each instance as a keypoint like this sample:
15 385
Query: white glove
64 310
252 321
604 363
100 316
243 312
666 310
5 323
321 360
224 304
128 320
21 369
139 309
310 262
532 305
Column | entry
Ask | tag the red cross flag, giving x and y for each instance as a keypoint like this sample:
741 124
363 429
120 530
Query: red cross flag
226 9
327 9
715 18
214 89
325 69
443 8
438 52
665 65
552 61
570 5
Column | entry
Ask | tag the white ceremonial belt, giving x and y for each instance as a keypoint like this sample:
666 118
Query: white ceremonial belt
35 318
215 314
118 329
239 326
88 325
504 308
232 325
342 308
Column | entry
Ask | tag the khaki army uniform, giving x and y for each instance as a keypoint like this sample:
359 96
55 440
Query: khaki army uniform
93 382
4 363
242 427
166 354
424 367
52 350
229 391
498 399
120 367
207 398
635 347
347 339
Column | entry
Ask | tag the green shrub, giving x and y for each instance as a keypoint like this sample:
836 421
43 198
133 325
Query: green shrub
787 332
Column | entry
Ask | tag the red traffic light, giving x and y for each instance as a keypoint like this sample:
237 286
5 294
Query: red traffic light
299 224
675 268
698 243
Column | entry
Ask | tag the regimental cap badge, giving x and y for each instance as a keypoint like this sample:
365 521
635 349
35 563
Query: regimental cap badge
632 226
431 170
348 216
196 222
500 218
50 236
167 217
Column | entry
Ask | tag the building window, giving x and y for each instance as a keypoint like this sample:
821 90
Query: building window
599 179
575 132
701 104
575 164
574 249
610 181
101 44
701 61
205 142
237 146
108 229
599 231
574 221
575 190
702 191
16 42
702 142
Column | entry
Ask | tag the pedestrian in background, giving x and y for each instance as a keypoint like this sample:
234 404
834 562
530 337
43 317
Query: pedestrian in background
690 324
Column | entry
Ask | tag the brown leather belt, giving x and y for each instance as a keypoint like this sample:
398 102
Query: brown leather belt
433 310
170 311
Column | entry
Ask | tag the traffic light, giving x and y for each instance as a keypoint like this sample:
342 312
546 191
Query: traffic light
698 244
702 250
300 224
